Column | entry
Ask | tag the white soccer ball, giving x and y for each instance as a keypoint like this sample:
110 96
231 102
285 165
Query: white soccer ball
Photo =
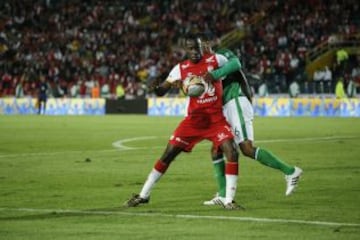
194 86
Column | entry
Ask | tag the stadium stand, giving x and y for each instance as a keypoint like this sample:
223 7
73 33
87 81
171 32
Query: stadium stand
81 44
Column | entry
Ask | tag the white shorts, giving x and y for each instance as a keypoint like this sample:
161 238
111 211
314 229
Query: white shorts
240 114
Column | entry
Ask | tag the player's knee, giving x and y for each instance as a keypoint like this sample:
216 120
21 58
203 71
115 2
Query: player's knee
234 155
230 150
216 154
247 152
170 154
247 149
167 158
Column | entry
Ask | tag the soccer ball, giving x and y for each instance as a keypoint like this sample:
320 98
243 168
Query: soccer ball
194 86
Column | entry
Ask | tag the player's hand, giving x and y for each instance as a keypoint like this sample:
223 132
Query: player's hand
208 78
177 84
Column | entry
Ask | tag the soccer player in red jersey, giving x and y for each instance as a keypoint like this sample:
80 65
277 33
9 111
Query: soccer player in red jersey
204 120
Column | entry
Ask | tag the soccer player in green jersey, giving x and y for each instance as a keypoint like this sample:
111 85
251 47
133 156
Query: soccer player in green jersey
238 111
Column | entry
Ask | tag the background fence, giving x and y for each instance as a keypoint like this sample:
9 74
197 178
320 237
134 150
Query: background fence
264 107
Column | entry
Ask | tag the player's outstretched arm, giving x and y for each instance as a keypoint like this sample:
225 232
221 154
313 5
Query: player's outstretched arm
228 67
162 88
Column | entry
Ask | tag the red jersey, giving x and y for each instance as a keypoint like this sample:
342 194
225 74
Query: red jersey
205 119
207 108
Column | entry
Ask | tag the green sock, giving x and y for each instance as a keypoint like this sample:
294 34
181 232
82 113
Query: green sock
219 167
268 159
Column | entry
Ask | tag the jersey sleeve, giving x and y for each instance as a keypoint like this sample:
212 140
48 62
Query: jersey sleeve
227 53
226 66
174 74
221 59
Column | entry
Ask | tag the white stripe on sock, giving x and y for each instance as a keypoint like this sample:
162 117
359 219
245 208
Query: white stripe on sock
257 152
218 160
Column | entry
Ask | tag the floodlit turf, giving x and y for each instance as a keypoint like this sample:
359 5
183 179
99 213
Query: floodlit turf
62 178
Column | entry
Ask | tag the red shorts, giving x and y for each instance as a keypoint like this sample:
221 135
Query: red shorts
187 134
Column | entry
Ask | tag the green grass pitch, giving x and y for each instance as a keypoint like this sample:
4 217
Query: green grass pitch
67 178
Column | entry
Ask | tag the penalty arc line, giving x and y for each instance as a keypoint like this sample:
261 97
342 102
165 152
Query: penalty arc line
185 216
119 145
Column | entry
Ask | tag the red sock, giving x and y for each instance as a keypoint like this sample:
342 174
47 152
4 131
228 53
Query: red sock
232 168
161 166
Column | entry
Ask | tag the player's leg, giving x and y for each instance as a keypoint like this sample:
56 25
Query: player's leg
184 139
231 172
240 116
292 173
242 122
39 105
45 100
219 171
159 169
156 173
222 137
265 157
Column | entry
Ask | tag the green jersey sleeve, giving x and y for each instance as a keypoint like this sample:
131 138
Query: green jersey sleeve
227 53
231 66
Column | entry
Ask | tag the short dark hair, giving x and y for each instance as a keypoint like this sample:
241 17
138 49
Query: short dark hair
206 36
192 36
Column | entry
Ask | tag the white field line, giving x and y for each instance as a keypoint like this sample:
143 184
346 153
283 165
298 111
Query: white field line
185 216
305 139
119 145
35 154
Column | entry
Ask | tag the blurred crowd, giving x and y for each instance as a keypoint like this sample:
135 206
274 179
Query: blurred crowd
115 49
275 49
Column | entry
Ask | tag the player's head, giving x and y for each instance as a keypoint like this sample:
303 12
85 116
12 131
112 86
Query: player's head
193 48
208 41
42 78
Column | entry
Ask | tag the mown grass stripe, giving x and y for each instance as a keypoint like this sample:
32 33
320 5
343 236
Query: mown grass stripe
186 216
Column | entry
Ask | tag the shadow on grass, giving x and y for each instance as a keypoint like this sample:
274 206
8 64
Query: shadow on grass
44 214
48 214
